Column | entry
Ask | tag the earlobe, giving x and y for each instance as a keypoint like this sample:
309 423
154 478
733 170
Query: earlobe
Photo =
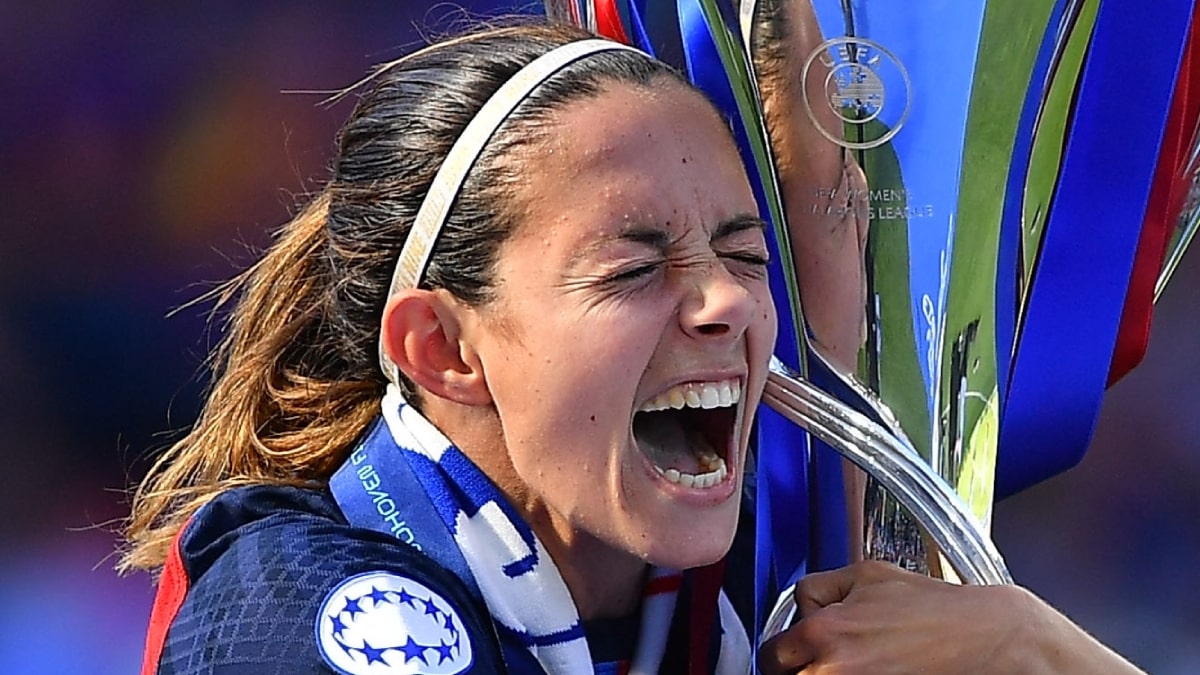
421 332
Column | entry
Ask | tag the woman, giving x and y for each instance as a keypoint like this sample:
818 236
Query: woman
569 348
613 426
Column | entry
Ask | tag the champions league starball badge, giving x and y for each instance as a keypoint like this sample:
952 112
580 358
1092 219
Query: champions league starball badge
863 83
381 623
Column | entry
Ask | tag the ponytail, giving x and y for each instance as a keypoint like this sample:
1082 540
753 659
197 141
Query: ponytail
266 420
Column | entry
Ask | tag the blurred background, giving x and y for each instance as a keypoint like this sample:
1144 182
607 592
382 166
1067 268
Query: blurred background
147 147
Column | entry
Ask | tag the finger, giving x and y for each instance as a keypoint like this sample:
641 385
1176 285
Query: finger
821 589
784 653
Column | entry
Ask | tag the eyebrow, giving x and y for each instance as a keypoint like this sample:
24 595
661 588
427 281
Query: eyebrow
738 223
653 237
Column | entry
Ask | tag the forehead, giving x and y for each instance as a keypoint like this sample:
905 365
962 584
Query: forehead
634 156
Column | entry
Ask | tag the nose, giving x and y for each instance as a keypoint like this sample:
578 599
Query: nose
717 304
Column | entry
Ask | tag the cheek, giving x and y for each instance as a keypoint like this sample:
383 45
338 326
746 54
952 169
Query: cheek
572 375
573 382
766 319
607 351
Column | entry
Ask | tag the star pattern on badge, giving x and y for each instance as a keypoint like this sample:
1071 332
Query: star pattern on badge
342 619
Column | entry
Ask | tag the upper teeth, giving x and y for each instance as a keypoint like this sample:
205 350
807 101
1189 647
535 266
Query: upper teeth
697 395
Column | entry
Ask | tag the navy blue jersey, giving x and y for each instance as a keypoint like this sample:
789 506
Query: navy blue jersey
269 580
259 564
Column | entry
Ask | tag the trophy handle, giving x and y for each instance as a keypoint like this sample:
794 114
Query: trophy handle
898 468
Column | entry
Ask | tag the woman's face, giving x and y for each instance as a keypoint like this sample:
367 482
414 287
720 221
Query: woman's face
627 346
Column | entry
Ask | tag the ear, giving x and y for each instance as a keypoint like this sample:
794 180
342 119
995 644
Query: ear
421 333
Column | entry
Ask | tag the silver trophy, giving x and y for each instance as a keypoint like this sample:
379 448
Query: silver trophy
913 159
928 135
878 164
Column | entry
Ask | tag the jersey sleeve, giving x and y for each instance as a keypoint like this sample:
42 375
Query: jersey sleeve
304 596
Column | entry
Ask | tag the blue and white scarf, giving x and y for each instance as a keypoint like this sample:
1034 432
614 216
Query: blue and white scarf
479 536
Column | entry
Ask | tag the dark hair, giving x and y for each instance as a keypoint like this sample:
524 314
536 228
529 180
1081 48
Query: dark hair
296 376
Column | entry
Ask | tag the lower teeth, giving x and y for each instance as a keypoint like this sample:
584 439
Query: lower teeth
715 475
712 466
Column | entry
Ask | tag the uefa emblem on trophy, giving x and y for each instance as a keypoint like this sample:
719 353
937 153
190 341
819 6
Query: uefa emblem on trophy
855 90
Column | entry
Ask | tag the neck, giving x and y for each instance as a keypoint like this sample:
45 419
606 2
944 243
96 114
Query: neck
604 581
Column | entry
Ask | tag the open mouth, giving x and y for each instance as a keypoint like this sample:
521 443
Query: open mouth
687 432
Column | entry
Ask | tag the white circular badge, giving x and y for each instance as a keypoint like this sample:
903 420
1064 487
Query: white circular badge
380 623
861 83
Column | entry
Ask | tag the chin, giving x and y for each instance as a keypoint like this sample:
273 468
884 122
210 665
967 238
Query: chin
691 546
689 555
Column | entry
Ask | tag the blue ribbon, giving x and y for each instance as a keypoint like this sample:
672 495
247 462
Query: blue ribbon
1007 266
1077 296
639 34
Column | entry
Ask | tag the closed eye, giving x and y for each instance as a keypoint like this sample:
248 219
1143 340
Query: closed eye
746 264
633 273
756 259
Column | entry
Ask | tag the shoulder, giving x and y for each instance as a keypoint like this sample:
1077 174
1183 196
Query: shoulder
279 583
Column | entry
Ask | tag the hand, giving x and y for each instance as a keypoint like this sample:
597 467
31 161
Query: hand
873 617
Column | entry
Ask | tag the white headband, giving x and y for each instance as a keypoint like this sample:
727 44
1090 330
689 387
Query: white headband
414 257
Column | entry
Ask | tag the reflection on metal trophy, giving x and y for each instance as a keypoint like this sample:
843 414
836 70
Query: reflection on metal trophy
1188 220
927 170
886 95
899 106
957 131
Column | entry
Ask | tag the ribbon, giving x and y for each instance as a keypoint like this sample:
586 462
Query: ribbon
1007 266
608 21
1166 201
1074 306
